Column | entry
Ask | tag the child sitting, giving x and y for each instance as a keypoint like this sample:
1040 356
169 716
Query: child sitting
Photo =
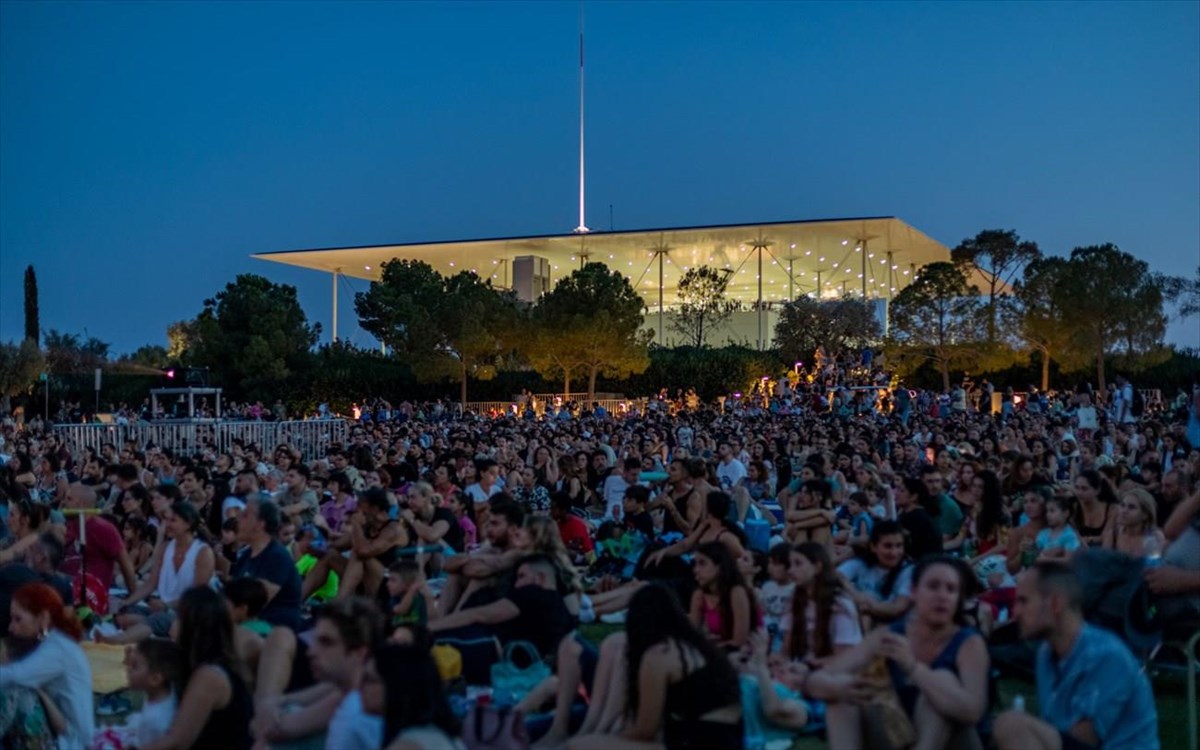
308 547
410 602
152 666
775 594
1058 541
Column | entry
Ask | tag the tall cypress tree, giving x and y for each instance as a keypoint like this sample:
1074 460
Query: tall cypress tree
33 325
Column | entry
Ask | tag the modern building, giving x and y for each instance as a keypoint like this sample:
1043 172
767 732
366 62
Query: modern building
769 263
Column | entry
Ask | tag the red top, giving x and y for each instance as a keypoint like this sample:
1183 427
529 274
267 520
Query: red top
574 533
104 549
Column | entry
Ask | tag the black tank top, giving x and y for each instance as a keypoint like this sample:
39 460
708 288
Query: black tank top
229 728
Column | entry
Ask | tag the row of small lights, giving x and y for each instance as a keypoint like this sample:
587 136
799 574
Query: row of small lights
821 259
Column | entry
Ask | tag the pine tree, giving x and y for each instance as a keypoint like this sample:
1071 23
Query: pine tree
32 323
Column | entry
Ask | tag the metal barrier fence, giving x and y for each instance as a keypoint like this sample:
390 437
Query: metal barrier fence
310 437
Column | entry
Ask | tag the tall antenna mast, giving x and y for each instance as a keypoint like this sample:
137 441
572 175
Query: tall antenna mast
582 228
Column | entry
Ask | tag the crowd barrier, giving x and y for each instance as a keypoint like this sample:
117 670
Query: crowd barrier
310 437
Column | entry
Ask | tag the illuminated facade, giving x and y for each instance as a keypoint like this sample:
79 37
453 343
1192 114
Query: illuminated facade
768 263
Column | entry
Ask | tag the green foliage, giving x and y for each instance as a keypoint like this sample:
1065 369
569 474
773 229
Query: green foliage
457 327
252 335
1039 319
33 326
69 354
1111 302
20 365
342 374
703 308
936 319
1186 293
712 372
998 256
590 323
838 325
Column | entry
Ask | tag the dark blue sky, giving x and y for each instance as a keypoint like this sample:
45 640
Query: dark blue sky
146 150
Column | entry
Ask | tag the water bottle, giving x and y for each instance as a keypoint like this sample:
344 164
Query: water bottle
1018 703
1152 549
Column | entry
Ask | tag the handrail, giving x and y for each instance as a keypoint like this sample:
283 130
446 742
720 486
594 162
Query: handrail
311 437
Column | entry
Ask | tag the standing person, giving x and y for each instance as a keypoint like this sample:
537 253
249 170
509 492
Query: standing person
1092 692
215 708
56 667
937 666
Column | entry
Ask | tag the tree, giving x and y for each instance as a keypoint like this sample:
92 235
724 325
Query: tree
457 327
1110 298
33 326
69 354
806 324
590 322
19 368
703 307
936 319
998 256
1040 316
1185 292
252 335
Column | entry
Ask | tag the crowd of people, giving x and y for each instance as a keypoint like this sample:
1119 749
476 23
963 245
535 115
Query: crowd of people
726 575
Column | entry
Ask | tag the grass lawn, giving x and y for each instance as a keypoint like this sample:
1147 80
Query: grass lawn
1170 692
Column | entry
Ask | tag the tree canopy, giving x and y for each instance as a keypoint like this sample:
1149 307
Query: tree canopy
252 335
1112 302
591 322
998 256
20 365
446 327
33 325
936 319
806 324
703 308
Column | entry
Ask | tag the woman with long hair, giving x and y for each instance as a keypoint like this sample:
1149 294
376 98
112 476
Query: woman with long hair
26 520
186 561
402 684
672 680
714 527
824 618
881 580
937 666
1094 517
722 606
1136 531
216 706
53 679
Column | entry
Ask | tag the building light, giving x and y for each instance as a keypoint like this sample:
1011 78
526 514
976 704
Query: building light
452 264
835 265
845 242
808 252
366 268
793 245
821 259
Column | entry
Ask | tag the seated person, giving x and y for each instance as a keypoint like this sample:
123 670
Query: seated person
937 668
411 604
374 545
473 578
346 632
41 564
532 611
1092 692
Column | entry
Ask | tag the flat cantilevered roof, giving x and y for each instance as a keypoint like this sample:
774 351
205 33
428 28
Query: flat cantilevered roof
795 255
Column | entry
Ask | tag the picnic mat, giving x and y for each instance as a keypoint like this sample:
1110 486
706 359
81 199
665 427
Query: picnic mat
108 666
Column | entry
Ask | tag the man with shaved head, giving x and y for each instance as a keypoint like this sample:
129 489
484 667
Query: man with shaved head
104 549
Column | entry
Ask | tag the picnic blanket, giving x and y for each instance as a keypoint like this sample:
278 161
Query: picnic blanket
108 667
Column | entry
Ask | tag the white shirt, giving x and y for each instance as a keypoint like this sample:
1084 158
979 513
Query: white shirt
614 495
730 473
476 493
58 666
351 728
153 721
